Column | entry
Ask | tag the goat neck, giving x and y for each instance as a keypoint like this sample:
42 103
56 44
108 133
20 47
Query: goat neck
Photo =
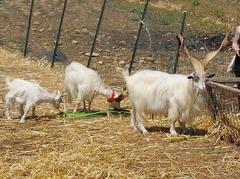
48 97
105 91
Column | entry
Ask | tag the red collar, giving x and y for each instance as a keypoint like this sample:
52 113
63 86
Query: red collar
112 98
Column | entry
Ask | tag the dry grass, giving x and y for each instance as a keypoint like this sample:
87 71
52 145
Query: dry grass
102 148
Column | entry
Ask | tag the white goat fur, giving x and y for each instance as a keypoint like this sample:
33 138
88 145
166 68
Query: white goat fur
28 95
84 84
160 93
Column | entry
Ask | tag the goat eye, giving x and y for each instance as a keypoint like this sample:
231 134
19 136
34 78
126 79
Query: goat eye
196 78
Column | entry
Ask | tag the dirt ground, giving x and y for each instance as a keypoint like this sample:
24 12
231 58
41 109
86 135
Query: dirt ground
50 146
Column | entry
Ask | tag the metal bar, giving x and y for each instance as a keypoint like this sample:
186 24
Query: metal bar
96 33
28 29
59 32
178 50
138 36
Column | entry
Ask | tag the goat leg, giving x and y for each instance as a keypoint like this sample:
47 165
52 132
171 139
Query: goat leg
133 119
65 104
24 115
89 106
21 110
76 108
140 123
33 111
84 106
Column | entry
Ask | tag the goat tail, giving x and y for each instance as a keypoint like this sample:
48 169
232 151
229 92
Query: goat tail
124 72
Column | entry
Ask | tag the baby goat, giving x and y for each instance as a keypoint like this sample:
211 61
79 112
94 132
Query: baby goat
84 84
171 95
28 95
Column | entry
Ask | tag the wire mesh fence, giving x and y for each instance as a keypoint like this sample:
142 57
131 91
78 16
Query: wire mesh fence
157 45
224 104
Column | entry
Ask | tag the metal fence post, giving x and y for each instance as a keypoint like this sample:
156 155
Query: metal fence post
58 35
181 31
138 36
28 29
96 33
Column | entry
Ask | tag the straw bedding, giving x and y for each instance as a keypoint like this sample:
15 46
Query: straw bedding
224 105
54 147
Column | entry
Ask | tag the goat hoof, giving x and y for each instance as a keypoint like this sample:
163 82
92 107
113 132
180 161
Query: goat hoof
134 129
7 116
34 116
145 132
238 115
22 121
173 133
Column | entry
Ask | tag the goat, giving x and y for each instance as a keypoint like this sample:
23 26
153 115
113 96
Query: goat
28 95
171 95
84 84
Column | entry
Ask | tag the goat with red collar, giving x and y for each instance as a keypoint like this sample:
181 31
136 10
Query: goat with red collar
84 84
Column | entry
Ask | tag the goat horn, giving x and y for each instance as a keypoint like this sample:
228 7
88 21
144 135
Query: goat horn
212 54
195 62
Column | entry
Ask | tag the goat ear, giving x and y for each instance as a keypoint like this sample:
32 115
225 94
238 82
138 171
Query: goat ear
211 75
124 92
119 98
123 96
190 77
58 93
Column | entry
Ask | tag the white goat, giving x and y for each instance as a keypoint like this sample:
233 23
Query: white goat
28 95
171 95
84 84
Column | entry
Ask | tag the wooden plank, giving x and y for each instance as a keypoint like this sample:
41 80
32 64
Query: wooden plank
224 87
226 79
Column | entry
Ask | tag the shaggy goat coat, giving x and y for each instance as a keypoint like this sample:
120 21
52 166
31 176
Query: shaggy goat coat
84 84
28 95
160 93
